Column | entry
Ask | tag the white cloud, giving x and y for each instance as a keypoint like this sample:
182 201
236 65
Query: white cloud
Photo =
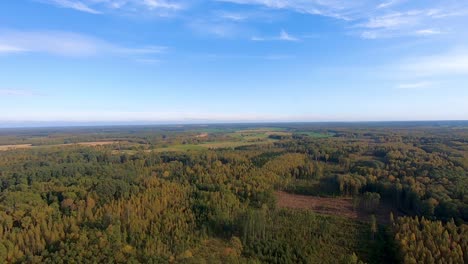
66 44
428 32
285 36
339 9
59 43
10 49
369 35
148 61
72 4
446 64
16 92
393 18
216 28
153 4
233 16
416 85
132 6
255 38
388 4
429 20
391 21
364 18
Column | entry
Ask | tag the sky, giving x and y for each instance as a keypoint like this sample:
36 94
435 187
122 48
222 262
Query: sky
162 61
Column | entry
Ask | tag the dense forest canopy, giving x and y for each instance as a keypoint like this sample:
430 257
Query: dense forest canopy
209 194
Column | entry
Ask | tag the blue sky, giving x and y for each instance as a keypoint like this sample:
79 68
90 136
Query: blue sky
233 60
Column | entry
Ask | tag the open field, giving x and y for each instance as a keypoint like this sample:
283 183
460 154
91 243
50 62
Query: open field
87 144
210 145
92 144
245 138
11 147
315 134
202 135
238 138
340 206
262 130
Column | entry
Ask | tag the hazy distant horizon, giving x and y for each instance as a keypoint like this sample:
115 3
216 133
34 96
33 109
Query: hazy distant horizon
65 124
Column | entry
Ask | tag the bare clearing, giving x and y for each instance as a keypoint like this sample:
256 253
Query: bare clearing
11 147
340 206
93 144
86 144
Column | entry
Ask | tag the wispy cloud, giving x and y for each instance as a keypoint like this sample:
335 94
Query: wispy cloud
388 4
283 36
241 56
428 32
220 29
392 18
148 61
16 92
77 5
431 20
10 49
364 18
66 44
416 85
451 63
154 4
232 16
339 9
397 24
105 6
52 42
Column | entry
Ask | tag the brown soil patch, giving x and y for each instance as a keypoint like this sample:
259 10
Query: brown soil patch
87 144
97 143
341 206
10 147
203 135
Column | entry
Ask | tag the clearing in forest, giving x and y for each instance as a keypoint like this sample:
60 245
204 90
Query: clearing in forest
92 144
340 206
87 144
10 147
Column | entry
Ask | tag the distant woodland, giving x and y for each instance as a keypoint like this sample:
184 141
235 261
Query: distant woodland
209 194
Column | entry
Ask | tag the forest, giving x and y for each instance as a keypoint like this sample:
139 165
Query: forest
389 192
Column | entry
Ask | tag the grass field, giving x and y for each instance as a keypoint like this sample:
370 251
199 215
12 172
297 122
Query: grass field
210 145
87 144
239 138
315 134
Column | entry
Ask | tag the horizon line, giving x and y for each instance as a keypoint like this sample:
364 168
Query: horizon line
83 124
